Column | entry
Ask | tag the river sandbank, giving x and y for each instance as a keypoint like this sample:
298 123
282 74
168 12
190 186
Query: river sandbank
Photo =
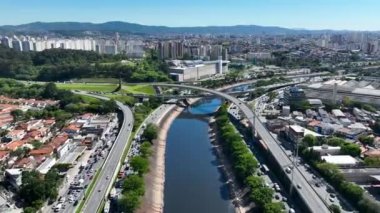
153 199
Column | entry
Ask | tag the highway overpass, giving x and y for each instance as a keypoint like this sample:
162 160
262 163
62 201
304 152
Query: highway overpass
306 192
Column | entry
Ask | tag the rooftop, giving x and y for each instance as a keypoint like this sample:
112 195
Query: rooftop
14 171
338 113
300 129
340 159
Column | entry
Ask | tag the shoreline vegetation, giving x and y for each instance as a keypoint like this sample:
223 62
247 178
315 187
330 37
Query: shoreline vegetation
225 168
239 165
153 199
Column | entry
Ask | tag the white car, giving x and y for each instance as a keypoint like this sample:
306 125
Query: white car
62 200
71 198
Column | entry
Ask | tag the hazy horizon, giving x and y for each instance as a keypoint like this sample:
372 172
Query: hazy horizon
285 27
294 14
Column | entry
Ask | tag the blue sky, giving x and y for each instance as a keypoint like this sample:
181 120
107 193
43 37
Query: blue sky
310 14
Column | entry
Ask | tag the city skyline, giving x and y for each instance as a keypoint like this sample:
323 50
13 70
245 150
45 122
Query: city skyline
323 14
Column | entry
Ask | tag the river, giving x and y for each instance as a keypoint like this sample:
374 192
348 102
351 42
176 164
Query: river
193 183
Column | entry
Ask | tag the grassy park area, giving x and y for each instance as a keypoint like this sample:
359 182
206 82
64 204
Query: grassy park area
138 89
108 87
97 80
90 87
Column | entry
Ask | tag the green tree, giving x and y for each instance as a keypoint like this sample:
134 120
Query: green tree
254 182
350 149
372 161
20 152
245 165
17 114
367 140
309 140
335 141
35 189
129 202
352 191
134 183
36 144
274 207
368 205
334 208
50 91
3 132
32 189
150 132
272 95
140 164
222 120
146 149
30 210
302 105
51 181
262 196
331 172
347 101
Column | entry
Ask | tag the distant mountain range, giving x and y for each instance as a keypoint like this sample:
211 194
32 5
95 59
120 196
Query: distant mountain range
125 27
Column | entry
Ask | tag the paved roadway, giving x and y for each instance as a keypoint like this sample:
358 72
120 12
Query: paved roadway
320 74
306 192
93 201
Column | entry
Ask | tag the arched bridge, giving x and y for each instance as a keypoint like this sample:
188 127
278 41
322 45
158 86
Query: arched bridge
306 192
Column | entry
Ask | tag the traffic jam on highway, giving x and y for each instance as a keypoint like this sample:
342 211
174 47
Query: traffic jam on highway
125 170
86 173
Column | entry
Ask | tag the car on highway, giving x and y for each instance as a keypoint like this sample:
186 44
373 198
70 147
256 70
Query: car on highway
58 207
276 187
299 186
61 200
288 170
71 198
331 200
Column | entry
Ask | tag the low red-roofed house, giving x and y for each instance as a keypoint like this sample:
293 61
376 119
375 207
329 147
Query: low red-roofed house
372 153
12 146
27 162
72 129
313 123
42 152
41 134
4 155
59 140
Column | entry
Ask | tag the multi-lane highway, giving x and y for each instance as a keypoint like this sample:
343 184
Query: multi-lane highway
307 193
112 163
